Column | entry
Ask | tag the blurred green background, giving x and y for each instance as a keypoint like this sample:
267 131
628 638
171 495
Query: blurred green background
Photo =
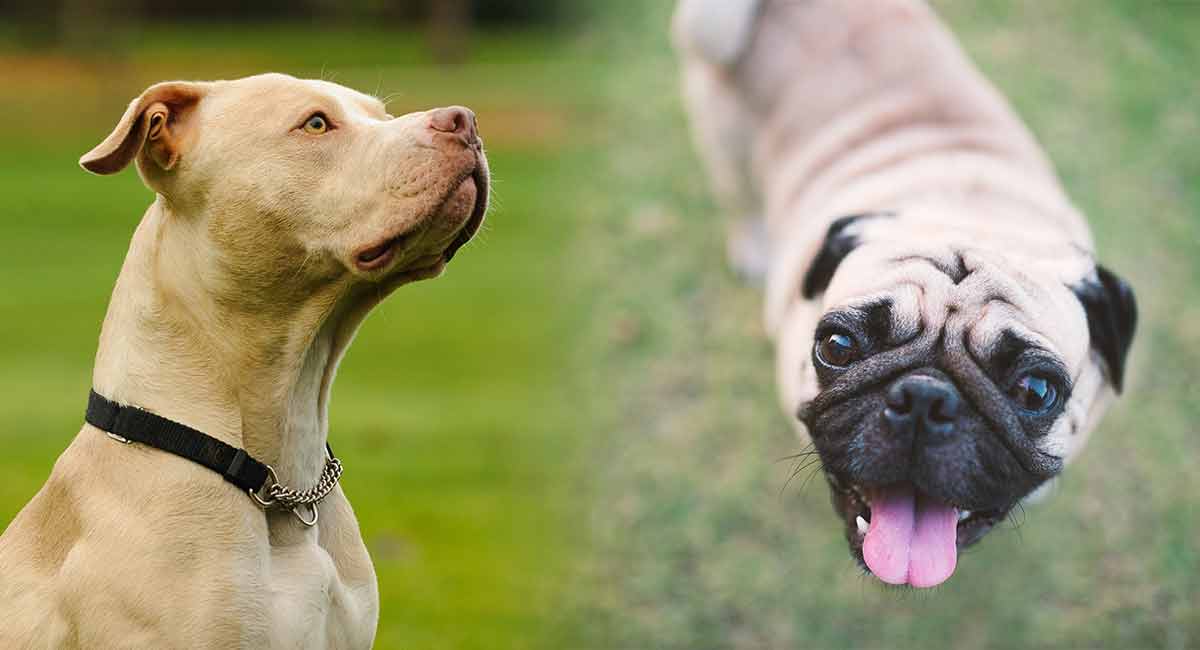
578 445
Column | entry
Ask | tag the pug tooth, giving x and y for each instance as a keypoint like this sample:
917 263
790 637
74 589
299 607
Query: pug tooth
963 515
862 525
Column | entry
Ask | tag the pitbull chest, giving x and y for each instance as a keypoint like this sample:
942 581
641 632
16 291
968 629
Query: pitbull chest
309 605
196 582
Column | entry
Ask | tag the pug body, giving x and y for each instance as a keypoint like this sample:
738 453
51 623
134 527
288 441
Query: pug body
945 335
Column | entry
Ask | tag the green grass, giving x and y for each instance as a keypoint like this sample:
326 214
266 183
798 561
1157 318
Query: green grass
450 411
701 541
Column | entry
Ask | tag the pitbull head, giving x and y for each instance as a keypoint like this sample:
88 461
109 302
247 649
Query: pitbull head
945 372
299 184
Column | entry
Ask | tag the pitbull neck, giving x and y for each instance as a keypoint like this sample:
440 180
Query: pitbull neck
177 341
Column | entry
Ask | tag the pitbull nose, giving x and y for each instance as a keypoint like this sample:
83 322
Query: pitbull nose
455 120
922 402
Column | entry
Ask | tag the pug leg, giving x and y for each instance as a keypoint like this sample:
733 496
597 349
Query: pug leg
722 128
746 248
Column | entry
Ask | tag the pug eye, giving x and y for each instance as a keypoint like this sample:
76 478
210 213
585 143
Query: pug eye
837 350
316 124
1035 394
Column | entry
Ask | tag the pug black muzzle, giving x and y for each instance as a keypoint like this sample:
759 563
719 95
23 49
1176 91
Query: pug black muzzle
924 446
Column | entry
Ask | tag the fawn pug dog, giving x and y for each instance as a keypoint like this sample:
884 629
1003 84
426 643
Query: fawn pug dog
285 210
944 333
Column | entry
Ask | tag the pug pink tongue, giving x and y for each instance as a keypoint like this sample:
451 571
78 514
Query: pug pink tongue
889 538
911 538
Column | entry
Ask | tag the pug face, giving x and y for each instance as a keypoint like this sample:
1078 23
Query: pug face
946 369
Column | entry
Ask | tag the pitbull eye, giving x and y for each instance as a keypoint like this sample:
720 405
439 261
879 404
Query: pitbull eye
1035 394
316 124
837 350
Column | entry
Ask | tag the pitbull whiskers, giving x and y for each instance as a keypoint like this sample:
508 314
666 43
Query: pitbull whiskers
943 330
284 210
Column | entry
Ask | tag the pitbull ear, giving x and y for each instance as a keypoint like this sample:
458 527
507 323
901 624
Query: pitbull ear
718 30
154 121
839 242
1112 318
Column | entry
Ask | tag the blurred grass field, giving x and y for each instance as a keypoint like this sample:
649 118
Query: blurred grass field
703 542
448 410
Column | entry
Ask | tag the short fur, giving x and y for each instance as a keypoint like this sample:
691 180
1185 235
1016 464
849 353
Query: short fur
240 293
834 108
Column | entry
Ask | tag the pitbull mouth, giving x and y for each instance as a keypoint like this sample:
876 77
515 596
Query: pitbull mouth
475 221
383 254
902 535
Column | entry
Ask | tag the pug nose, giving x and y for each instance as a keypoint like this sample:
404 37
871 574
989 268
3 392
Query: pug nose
922 402
457 121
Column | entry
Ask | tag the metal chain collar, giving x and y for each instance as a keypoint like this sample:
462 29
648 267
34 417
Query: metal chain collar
282 497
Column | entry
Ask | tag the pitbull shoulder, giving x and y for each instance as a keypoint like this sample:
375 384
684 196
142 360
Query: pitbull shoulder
83 582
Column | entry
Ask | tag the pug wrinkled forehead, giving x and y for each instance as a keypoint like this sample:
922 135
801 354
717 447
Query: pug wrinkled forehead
949 375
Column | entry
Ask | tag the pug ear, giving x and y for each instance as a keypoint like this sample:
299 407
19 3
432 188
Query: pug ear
839 242
1111 312
155 121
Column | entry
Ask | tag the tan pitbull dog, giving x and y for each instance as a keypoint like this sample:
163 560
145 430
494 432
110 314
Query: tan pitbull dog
285 210
943 330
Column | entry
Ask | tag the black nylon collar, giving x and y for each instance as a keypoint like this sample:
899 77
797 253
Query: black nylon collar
137 425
